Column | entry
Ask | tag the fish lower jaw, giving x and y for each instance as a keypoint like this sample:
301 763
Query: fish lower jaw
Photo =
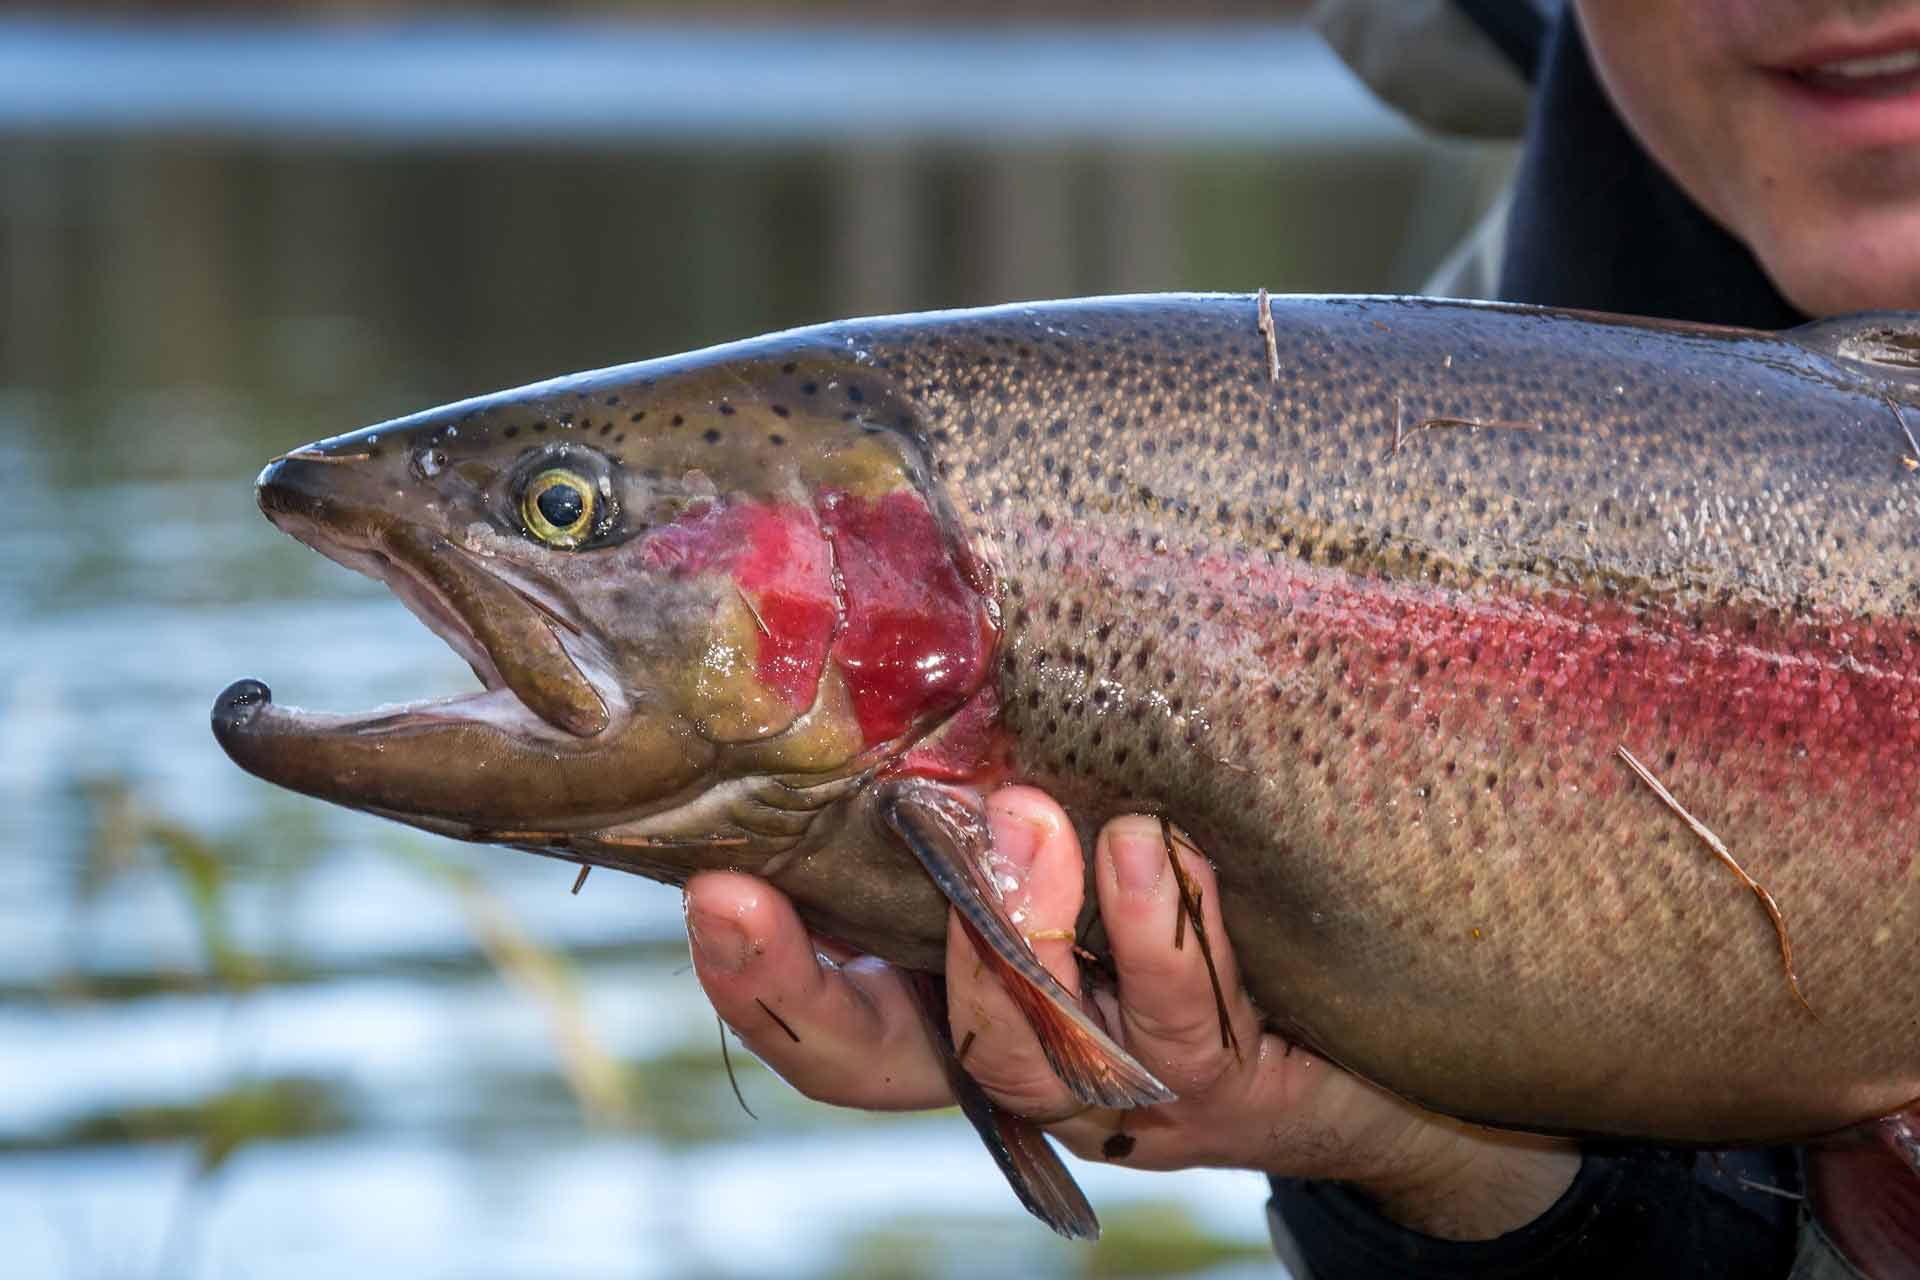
497 708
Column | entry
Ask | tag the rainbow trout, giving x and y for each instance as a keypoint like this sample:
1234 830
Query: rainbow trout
1486 648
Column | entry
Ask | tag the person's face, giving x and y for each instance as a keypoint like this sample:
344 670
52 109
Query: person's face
1794 123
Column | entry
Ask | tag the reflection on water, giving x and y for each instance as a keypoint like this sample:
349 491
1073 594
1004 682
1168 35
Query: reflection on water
373 1087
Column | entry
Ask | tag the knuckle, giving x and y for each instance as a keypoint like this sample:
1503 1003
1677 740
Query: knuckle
1185 1028
1020 1089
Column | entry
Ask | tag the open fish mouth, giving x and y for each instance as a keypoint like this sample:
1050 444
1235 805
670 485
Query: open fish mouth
531 659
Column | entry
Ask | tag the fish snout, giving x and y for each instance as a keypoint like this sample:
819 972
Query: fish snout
320 482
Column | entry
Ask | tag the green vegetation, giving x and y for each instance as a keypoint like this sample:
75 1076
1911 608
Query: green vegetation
1147 1238
221 1123
1138 1239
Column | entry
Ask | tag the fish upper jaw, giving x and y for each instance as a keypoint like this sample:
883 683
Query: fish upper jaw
518 639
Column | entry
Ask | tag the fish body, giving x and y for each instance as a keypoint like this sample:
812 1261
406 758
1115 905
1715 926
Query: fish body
1368 611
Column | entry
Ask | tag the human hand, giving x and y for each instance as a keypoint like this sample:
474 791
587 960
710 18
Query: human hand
1269 1106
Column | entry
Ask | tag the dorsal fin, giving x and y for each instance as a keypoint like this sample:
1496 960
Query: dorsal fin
1886 342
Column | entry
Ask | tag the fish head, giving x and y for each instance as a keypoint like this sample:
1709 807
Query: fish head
705 599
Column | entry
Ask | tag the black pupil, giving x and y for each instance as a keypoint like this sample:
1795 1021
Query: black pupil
561 504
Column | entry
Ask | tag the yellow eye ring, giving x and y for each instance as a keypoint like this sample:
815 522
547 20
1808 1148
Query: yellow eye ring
558 506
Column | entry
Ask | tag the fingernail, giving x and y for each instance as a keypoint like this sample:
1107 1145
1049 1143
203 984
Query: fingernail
1139 853
721 942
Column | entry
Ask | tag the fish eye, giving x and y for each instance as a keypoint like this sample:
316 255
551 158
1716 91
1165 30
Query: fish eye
557 507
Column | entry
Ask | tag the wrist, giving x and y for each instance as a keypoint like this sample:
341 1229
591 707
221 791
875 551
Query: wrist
1467 1183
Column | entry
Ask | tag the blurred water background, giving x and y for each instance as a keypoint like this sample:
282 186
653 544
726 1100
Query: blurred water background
243 1034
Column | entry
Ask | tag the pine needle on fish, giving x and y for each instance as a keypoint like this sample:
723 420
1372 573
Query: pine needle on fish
1719 848
1403 433
1265 324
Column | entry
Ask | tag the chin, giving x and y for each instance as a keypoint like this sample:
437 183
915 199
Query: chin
1860 263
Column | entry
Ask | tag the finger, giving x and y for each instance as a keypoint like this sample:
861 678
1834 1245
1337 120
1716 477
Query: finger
1038 864
1289 1112
846 1033
1170 997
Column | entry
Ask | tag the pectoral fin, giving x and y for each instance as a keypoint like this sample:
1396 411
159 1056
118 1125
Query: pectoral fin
1032 1167
947 830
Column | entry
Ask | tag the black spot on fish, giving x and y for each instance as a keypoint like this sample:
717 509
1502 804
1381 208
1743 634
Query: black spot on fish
612 401
726 411
539 426
638 416
855 394
779 411
606 428
679 419
511 432
776 440
711 436
809 388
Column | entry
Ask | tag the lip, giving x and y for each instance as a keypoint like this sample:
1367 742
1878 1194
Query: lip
1870 113
1831 49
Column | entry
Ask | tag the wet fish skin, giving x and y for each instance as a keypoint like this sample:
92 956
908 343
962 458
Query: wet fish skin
1378 662
1696 544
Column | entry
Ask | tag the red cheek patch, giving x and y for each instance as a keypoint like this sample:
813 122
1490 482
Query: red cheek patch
916 638
779 560
910 633
787 574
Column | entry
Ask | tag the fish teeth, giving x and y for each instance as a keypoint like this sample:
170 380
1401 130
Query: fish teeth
1879 64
